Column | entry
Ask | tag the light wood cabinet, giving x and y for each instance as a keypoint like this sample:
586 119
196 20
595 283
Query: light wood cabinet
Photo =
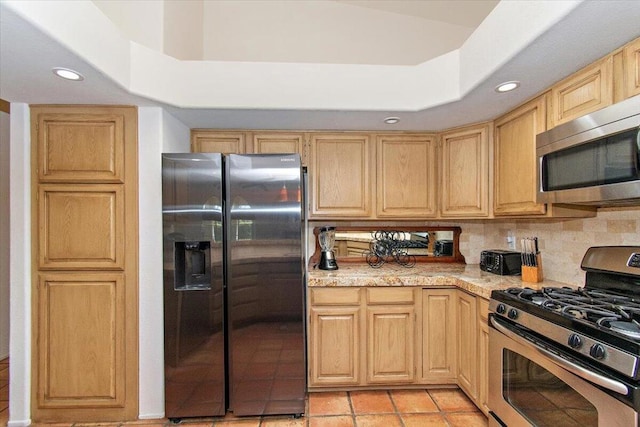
483 355
438 336
84 258
631 68
65 156
583 92
81 226
515 182
473 348
334 337
390 335
280 142
406 176
341 176
362 337
213 141
464 161
467 343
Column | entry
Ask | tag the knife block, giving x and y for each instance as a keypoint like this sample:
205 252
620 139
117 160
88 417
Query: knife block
533 274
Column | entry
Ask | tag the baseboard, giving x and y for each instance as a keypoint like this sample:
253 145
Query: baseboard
151 416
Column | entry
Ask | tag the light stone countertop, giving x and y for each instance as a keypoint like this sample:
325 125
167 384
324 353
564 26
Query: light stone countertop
468 277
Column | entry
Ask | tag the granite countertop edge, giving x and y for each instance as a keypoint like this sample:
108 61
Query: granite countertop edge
467 277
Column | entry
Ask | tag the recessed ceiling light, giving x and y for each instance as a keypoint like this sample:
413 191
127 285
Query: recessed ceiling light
507 86
392 120
68 74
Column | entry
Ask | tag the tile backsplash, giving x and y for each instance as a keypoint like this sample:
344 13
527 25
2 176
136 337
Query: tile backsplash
562 243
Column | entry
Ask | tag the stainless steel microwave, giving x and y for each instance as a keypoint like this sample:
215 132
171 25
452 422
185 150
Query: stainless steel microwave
592 160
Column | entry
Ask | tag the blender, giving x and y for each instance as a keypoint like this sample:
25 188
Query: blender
326 239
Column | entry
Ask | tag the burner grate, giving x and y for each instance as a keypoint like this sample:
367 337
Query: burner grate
607 309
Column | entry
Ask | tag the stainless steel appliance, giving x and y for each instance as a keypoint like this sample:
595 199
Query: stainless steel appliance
498 261
233 285
569 357
593 160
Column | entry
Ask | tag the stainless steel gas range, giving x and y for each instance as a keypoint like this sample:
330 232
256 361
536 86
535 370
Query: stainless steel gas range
569 357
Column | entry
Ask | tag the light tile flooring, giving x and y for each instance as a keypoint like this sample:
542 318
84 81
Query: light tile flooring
393 408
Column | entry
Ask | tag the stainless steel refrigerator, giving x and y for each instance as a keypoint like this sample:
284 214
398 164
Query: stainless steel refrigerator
233 284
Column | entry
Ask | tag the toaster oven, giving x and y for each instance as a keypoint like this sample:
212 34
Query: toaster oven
504 263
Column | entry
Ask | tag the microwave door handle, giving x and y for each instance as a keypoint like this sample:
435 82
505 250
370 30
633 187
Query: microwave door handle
595 378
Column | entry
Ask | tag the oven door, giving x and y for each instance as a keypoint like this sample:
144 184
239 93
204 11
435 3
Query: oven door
527 387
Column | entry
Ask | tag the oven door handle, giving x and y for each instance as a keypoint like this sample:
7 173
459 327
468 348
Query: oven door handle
578 370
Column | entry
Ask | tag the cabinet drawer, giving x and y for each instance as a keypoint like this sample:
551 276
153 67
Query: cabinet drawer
335 296
395 295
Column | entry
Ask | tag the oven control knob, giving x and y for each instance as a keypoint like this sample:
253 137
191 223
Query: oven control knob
597 351
501 308
575 341
513 314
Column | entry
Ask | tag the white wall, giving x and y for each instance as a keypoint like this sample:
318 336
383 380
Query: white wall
158 132
128 15
20 267
4 235
183 24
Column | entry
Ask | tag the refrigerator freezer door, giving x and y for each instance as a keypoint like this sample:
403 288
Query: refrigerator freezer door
265 285
193 285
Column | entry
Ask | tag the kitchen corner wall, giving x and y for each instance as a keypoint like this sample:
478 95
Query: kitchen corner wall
563 243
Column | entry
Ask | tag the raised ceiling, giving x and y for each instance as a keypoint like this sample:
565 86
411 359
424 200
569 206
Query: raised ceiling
308 65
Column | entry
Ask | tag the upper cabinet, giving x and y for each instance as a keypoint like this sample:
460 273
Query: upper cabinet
631 67
340 175
464 162
406 176
515 159
211 141
588 90
280 142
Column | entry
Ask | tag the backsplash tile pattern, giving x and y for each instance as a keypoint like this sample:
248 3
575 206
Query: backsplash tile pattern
562 243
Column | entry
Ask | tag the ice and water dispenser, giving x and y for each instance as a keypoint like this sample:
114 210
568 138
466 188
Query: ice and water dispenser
193 265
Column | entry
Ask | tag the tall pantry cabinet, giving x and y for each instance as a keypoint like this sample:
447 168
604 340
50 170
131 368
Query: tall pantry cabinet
84 266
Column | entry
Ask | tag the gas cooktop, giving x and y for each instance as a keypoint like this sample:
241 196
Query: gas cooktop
600 321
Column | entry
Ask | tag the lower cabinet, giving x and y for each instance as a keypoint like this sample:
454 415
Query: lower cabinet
390 336
483 355
376 337
334 337
438 343
473 348
467 339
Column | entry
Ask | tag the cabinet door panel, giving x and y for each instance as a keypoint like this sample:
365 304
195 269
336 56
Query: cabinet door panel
483 361
632 68
278 143
205 141
81 226
438 335
81 344
81 147
467 344
515 183
465 172
341 176
406 176
335 346
586 91
390 338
